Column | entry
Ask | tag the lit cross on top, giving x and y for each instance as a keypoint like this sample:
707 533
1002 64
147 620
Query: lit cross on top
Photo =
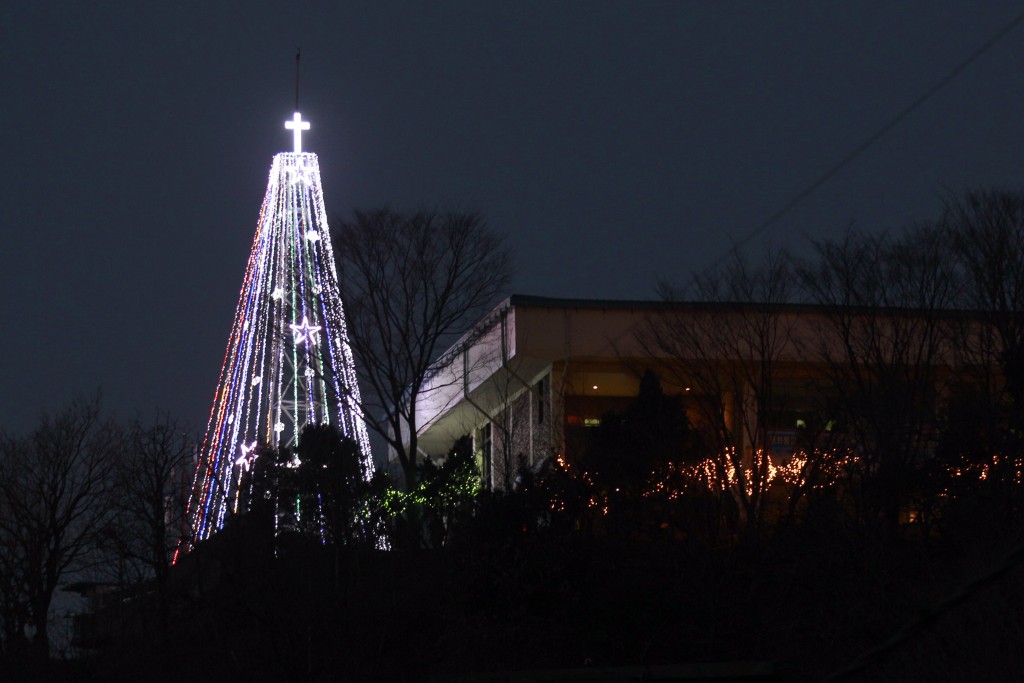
297 125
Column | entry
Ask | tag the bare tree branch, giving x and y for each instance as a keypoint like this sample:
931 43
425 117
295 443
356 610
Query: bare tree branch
55 485
412 283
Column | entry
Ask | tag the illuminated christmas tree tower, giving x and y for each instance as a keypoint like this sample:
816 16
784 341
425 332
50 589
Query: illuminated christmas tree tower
288 363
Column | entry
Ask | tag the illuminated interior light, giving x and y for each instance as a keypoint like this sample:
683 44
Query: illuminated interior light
277 294
312 236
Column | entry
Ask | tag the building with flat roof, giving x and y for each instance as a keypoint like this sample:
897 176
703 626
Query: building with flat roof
532 376
512 379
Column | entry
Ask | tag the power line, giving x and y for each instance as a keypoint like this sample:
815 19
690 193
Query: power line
875 137
926 615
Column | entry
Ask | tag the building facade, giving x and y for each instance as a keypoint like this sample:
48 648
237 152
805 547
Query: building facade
530 379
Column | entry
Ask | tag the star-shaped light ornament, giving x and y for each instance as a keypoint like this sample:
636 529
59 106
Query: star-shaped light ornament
305 331
247 457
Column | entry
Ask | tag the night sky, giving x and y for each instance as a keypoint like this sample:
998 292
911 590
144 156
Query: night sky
613 142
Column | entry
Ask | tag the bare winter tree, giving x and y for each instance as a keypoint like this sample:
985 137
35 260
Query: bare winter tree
884 338
412 284
985 420
726 352
54 488
988 234
149 501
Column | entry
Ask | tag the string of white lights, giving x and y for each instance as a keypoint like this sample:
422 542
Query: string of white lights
288 362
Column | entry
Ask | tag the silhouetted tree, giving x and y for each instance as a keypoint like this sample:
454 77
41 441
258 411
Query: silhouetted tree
983 422
54 508
728 350
412 284
148 501
629 451
318 488
884 337
988 234
448 491
330 485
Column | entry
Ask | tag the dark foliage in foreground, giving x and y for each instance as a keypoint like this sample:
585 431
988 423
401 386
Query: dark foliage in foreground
508 594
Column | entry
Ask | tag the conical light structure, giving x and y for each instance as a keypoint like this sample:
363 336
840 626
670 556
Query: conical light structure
288 362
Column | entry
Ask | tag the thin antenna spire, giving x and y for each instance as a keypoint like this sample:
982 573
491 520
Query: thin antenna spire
298 53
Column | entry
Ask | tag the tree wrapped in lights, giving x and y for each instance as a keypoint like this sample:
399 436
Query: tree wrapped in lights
288 362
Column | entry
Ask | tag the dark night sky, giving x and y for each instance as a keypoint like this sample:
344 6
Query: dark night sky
613 142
